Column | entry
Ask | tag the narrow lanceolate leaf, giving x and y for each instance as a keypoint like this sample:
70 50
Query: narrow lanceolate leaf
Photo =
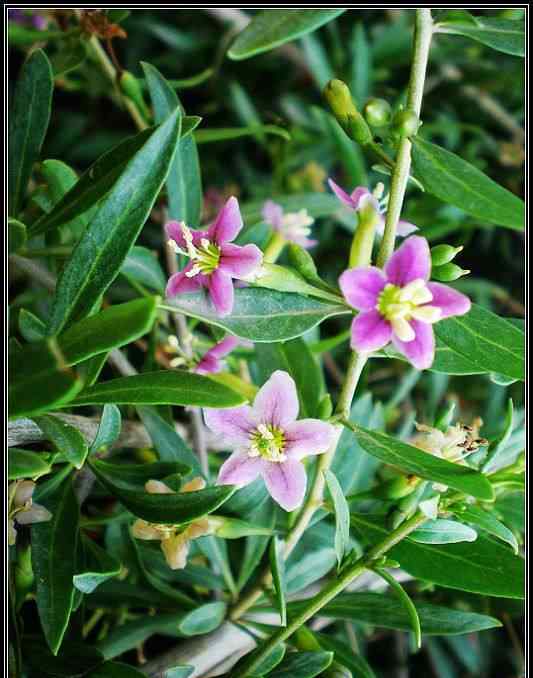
135 476
277 566
163 508
422 464
102 249
28 122
66 439
484 566
441 531
108 429
16 235
206 136
342 516
53 560
488 522
142 266
485 341
116 670
303 665
98 566
453 180
172 387
345 655
204 619
26 464
273 27
383 610
31 327
184 184
260 314
503 35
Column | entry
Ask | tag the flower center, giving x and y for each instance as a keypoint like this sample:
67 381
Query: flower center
205 257
296 224
267 441
398 305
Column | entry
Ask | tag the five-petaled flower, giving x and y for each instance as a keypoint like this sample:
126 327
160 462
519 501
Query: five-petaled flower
22 509
292 226
399 304
174 538
365 204
269 442
214 260
211 362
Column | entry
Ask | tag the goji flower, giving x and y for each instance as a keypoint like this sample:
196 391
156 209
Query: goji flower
293 226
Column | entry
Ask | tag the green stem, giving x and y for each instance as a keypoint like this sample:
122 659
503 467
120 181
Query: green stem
400 175
329 592
274 248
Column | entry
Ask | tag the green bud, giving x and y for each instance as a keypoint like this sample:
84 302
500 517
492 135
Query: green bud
339 99
233 528
443 254
305 640
405 124
131 88
302 261
325 407
448 273
397 488
377 112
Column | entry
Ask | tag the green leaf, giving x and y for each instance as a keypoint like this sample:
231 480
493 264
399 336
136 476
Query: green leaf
317 60
26 464
142 266
116 670
134 476
302 665
204 619
422 464
184 184
485 341
102 249
453 180
60 179
28 122
441 531
68 58
277 567
265 515
498 446
342 516
207 136
488 522
503 35
345 656
16 235
53 561
179 672
270 661
483 566
31 327
383 610
172 387
162 508
273 27
74 660
260 314
361 74
66 439
108 429
407 603
99 566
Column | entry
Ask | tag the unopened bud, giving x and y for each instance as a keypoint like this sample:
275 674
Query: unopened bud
325 407
302 261
339 99
131 88
448 272
397 488
405 124
377 112
443 254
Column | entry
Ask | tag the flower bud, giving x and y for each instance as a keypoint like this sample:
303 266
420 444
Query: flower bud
448 273
131 88
325 407
339 99
302 261
405 124
377 112
443 254
233 528
397 488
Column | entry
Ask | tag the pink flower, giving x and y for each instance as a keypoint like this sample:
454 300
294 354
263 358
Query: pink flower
214 260
399 304
293 226
269 442
361 198
210 362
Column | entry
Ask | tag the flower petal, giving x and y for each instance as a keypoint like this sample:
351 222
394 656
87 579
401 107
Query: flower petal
239 261
176 550
35 514
362 286
421 350
370 331
174 230
359 193
234 423
450 301
227 224
224 347
286 482
272 213
405 228
240 469
179 283
306 437
221 291
208 365
342 195
411 261
276 402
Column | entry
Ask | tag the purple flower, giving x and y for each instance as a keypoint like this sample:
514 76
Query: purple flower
399 304
211 360
269 442
22 18
214 260
293 226
361 199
